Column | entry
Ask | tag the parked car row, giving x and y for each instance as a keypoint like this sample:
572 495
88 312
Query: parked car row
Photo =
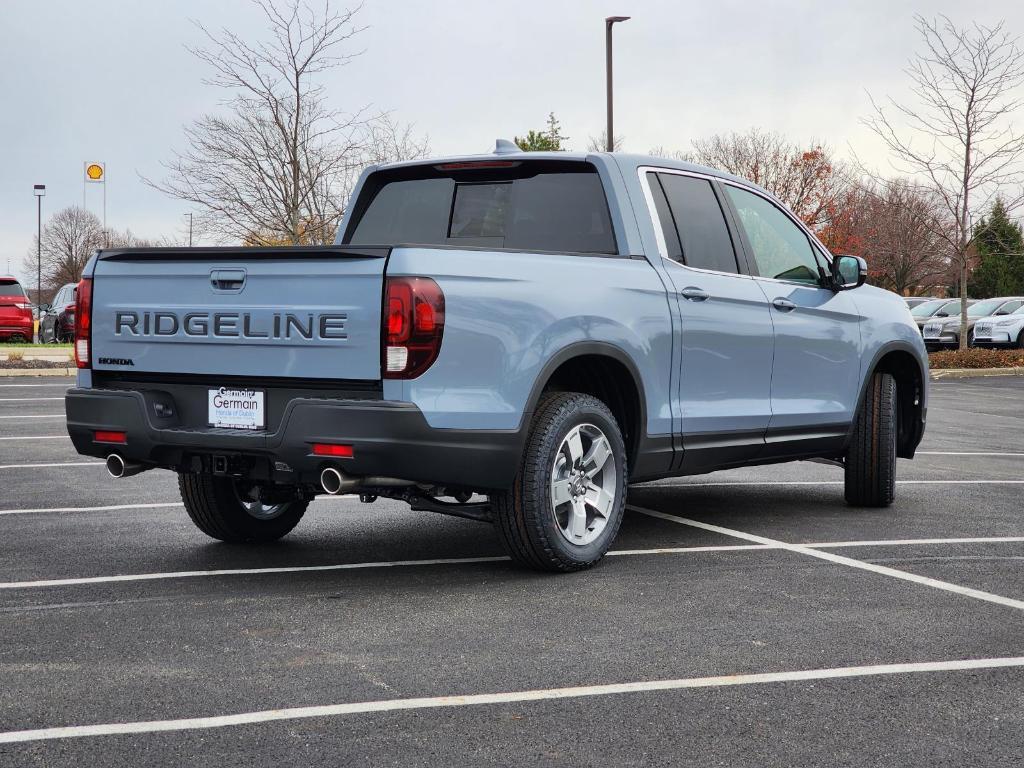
997 322
18 316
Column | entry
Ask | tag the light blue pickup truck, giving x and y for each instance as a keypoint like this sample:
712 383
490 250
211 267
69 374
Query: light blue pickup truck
512 337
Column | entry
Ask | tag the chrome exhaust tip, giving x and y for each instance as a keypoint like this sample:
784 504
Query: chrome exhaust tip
334 482
117 467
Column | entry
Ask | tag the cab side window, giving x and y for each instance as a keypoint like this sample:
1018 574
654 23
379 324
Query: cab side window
693 223
781 250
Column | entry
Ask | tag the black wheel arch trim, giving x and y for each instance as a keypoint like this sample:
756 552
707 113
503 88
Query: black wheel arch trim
657 445
907 450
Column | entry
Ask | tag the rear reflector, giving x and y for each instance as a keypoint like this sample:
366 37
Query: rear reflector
101 436
330 449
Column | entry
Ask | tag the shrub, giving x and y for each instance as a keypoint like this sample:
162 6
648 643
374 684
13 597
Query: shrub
977 358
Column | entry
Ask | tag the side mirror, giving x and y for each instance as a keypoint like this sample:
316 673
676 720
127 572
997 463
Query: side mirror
848 272
1002 312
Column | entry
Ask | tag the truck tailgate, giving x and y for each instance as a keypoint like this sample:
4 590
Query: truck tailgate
313 313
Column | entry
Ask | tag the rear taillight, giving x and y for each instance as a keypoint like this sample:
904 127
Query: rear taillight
413 325
83 322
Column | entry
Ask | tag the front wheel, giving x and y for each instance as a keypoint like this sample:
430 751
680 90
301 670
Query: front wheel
871 458
225 509
567 500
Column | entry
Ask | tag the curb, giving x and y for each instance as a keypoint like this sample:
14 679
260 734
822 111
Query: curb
37 372
970 373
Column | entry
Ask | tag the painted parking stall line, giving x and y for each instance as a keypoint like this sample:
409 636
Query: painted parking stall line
53 464
841 560
770 483
107 508
513 697
29 399
40 416
36 437
223 572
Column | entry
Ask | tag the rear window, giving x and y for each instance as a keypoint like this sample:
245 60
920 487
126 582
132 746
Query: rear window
11 288
550 206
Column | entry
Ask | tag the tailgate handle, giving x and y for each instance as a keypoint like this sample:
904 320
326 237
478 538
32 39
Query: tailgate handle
227 280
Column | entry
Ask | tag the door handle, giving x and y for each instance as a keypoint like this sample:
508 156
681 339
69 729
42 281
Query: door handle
783 305
227 280
693 293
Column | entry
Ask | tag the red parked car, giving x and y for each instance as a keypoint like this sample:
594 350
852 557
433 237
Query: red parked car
15 311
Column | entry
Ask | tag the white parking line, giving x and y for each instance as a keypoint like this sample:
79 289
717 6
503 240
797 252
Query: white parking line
965 453
840 560
89 509
12 386
93 463
27 399
730 483
37 437
44 416
480 699
911 542
159 576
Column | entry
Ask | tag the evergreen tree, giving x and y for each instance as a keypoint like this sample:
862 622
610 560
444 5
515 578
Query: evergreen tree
1000 247
548 140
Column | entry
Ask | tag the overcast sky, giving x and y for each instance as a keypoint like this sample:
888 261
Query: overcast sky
111 80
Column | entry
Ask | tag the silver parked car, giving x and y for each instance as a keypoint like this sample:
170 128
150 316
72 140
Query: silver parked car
914 301
922 313
944 332
1002 329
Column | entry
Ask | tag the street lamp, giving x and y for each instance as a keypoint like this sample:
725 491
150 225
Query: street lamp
608 22
39 190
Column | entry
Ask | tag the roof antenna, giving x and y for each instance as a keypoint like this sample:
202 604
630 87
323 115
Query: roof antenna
505 147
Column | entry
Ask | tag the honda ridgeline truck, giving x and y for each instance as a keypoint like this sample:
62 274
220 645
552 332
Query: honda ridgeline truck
513 337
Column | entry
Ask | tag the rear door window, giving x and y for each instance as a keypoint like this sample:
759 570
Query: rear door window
557 206
699 223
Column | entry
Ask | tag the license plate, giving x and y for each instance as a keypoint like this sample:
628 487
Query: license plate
237 408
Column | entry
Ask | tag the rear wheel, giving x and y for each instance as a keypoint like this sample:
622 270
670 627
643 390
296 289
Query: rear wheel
871 458
225 509
567 500
1020 340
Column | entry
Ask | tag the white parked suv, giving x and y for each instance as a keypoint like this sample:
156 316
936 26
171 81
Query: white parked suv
1000 330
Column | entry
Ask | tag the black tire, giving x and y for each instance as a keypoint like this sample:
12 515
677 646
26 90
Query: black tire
1020 340
525 516
217 511
871 458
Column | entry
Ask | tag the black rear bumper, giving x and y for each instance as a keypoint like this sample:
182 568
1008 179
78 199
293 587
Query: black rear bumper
389 439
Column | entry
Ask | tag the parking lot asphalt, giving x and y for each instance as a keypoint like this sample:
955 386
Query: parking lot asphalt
744 618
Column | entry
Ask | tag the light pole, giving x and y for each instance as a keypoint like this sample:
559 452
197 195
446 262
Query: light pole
39 190
610 136
189 229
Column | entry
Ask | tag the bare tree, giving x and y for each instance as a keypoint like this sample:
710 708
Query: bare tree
599 143
958 137
808 180
70 237
277 167
903 234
